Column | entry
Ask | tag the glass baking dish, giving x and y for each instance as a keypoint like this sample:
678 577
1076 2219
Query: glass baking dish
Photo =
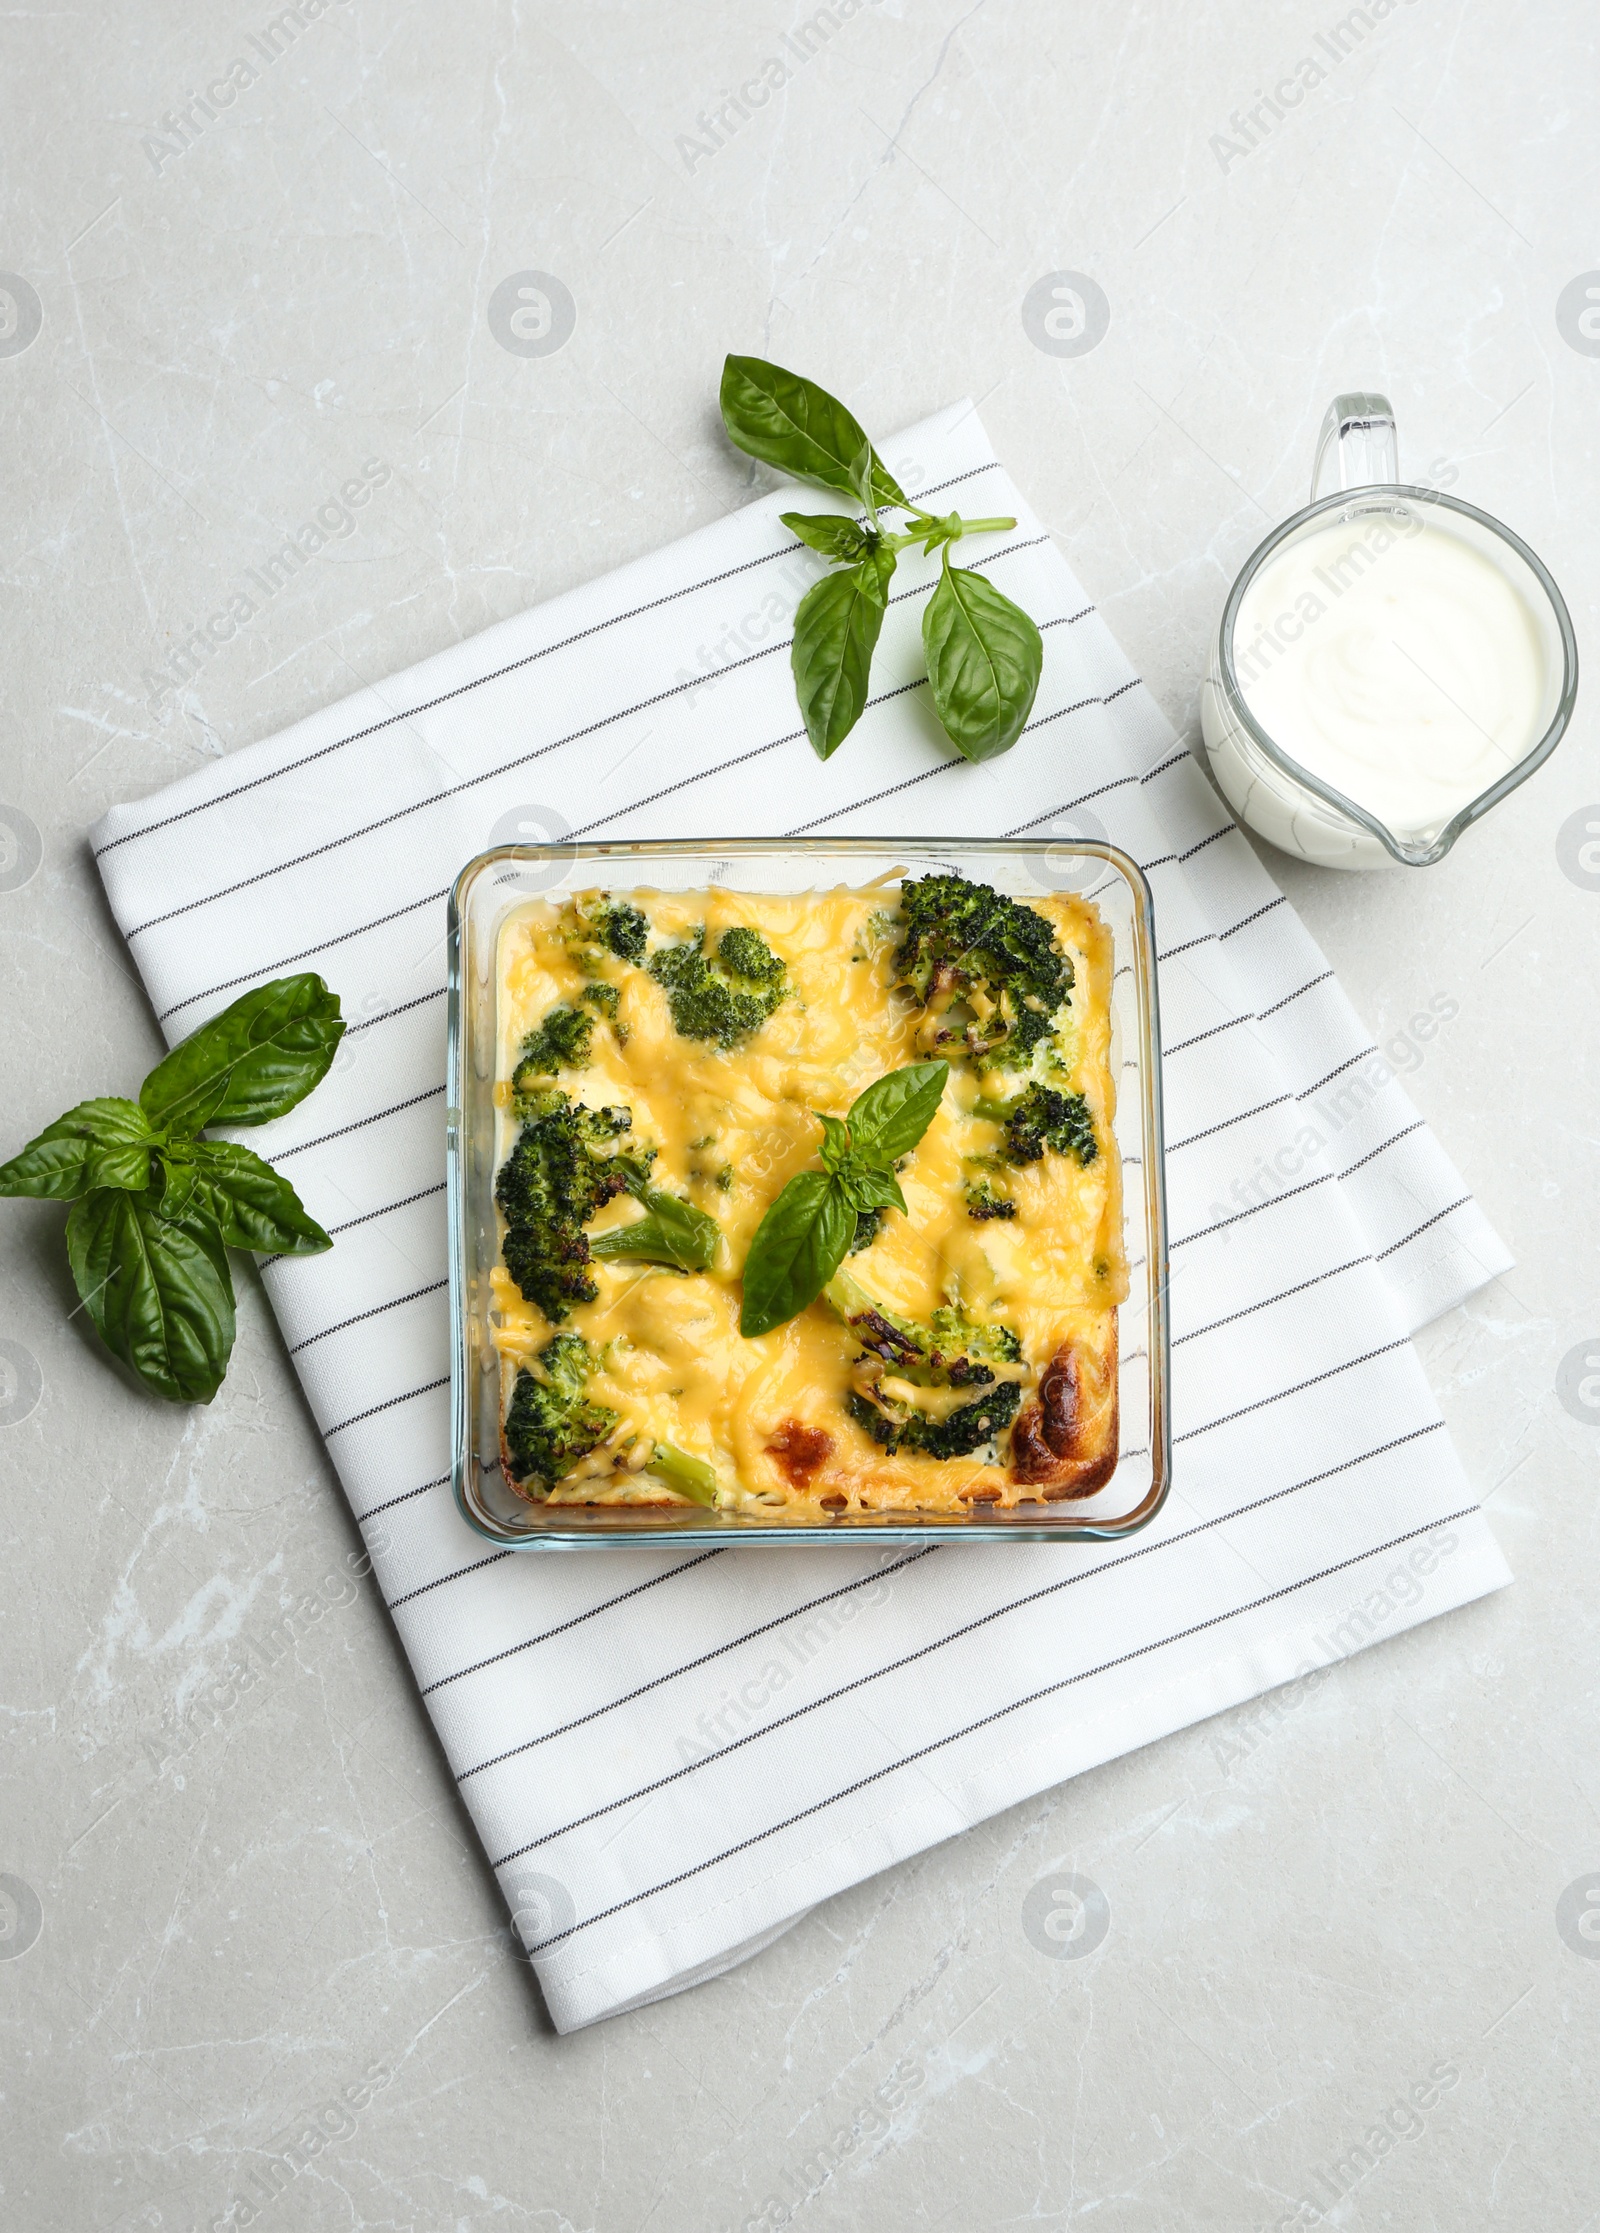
493 886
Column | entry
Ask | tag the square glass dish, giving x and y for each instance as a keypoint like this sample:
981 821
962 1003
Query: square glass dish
492 888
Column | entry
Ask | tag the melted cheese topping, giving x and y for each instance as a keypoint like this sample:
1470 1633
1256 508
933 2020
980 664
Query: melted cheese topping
731 1128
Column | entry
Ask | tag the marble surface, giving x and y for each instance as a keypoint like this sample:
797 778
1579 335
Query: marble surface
252 1969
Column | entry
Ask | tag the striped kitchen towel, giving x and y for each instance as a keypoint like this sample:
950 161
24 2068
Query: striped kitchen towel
669 1758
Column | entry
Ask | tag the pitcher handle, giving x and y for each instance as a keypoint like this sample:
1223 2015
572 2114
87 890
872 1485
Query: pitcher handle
1366 454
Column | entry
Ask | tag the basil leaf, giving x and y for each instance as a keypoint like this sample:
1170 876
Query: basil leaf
890 1117
250 1204
251 1063
870 1186
984 657
157 1289
831 533
671 1232
835 633
835 1139
798 1246
99 1143
790 422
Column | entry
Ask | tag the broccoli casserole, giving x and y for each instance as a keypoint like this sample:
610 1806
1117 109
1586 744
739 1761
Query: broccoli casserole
809 1204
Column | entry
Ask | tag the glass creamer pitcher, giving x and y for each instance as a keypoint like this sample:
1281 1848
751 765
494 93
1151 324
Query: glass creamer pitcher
1390 664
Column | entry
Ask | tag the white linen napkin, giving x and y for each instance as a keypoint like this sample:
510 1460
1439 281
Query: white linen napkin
671 1757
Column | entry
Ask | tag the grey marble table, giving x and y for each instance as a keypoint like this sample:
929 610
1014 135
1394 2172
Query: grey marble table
252 1967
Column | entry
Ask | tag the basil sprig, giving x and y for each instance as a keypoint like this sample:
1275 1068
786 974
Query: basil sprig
801 1242
984 654
155 1208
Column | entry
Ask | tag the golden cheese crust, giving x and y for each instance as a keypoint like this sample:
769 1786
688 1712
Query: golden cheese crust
1064 1443
772 1416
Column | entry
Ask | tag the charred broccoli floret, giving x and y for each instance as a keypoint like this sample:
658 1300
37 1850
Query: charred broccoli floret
899 1356
722 996
564 1168
950 1352
550 1423
987 968
984 1203
1043 1118
902 1426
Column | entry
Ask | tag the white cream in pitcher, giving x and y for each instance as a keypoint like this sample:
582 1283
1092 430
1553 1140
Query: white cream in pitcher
1393 662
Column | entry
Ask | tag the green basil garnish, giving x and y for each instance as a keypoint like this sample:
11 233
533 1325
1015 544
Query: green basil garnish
251 1063
157 1289
250 1204
99 1143
835 633
889 1119
832 534
799 1245
807 1231
984 653
868 1188
984 661
788 421
156 1208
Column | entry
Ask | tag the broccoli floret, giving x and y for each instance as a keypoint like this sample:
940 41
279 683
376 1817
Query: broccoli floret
607 999
983 1202
880 929
593 924
623 930
564 1041
560 1043
724 996
899 1426
986 967
563 1170
748 955
615 924
952 1352
551 1424
987 1338
1043 1118
869 1223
